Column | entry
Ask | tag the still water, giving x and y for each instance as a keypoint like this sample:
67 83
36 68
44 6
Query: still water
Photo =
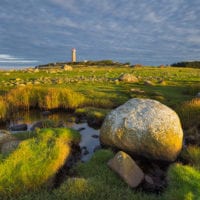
89 136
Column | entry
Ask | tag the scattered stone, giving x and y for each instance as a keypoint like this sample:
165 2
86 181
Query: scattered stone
137 90
148 179
144 127
162 82
127 169
67 68
5 136
148 83
95 136
81 129
46 113
19 127
22 85
130 78
84 151
97 148
9 146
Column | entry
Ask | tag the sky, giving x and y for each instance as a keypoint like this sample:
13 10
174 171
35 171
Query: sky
149 32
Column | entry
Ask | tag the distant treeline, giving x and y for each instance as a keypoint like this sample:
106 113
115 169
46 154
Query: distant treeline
84 63
99 63
190 64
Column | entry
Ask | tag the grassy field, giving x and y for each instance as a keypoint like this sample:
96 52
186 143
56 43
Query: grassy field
90 92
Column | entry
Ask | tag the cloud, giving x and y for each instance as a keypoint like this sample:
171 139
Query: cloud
194 39
6 58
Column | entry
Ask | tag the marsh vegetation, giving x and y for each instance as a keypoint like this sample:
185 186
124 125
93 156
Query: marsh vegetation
90 92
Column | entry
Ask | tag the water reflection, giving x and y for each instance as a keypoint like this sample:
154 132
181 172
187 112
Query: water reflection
89 139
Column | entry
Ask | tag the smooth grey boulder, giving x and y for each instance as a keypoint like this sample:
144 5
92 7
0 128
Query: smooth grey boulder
144 127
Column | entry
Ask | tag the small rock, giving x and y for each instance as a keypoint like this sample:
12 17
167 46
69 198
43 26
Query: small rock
81 129
9 146
95 136
5 136
148 179
97 148
67 68
127 169
130 78
46 113
149 83
84 151
19 127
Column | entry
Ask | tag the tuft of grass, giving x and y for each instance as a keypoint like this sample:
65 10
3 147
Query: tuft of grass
3 109
184 183
189 113
25 135
192 155
35 161
44 98
94 116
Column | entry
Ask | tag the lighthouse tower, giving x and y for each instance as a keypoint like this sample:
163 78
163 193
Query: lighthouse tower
73 55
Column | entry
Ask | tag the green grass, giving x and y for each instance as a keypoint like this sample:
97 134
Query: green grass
184 183
36 161
189 112
93 115
95 181
192 155
92 91
3 109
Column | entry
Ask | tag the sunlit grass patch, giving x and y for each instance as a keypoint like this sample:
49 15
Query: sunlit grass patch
189 113
96 181
184 183
44 98
3 109
192 155
36 161
93 115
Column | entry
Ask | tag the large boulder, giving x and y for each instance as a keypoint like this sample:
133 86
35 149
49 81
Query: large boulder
127 169
144 127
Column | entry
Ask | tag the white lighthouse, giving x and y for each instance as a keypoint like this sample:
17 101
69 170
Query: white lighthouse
73 55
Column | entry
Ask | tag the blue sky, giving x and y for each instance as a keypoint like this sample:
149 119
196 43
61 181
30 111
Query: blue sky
150 32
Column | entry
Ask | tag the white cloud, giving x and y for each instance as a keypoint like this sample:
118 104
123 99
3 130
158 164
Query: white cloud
6 58
194 39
